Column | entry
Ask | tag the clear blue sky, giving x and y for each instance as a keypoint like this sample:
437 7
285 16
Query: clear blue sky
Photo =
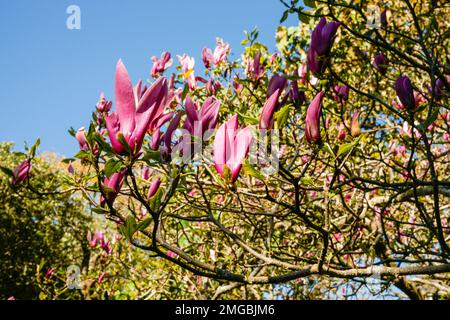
51 77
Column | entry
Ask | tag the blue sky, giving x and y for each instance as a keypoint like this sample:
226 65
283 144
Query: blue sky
51 77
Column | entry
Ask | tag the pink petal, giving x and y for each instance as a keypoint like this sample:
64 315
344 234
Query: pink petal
266 119
113 128
153 188
125 102
241 148
191 109
150 107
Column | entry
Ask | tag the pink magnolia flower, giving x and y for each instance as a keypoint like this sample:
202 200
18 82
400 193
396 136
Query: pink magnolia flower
135 110
340 93
154 129
296 96
81 138
273 57
20 173
236 85
312 122
407 131
97 239
266 119
282 151
303 73
192 193
219 199
161 65
446 136
276 82
397 150
257 68
212 87
103 105
100 239
101 277
70 168
220 52
418 100
207 57
322 39
187 67
166 149
231 146
153 188
380 63
143 213
348 197
342 132
49 273
174 95
404 90
171 254
111 187
198 121
147 172
338 236
305 159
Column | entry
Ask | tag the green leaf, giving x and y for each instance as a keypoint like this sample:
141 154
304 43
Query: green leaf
34 147
155 201
99 210
68 160
128 228
434 114
250 170
19 154
285 16
307 181
309 3
347 147
282 115
7 171
97 137
185 92
144 224
152 155
124 142
112 166
303 17
72 132
248 119
83 155
327 148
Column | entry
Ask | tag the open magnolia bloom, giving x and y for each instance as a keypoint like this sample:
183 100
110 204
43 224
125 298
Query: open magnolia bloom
135 110
111 187
231 146
200 120
322 39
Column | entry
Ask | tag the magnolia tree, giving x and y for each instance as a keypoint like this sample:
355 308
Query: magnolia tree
322 167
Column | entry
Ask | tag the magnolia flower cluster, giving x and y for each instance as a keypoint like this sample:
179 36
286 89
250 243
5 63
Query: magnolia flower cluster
161 109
